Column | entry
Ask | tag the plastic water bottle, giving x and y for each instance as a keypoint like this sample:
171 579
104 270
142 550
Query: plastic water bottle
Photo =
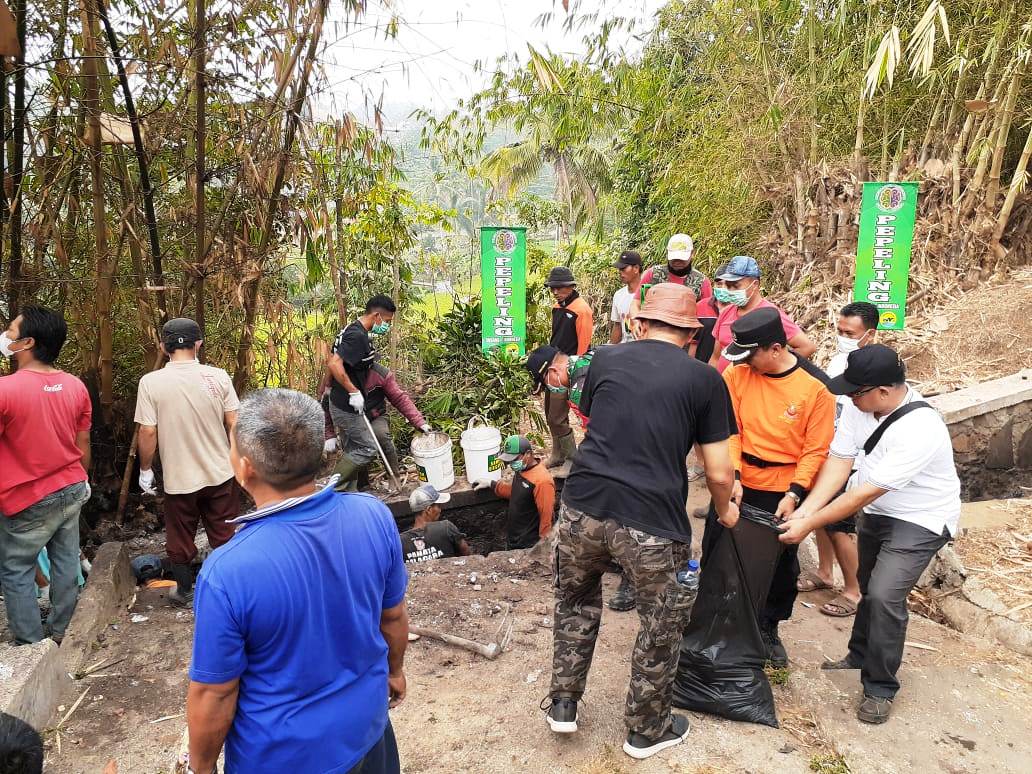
689 578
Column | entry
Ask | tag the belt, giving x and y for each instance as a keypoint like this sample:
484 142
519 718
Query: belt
756 462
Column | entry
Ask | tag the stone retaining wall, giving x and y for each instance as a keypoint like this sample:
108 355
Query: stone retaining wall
991 427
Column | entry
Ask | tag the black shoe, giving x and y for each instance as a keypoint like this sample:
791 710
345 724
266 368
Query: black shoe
562 715
183 594
776 653
641 747
874 709
844 663
181 600
623 599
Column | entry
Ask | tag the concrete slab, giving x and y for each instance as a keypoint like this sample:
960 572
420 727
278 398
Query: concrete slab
32 679
111 586
985 397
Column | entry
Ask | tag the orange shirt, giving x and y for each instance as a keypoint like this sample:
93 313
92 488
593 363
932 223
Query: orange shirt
544 494
787 418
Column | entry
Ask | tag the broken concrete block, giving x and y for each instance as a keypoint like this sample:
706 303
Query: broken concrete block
1024 459
32 679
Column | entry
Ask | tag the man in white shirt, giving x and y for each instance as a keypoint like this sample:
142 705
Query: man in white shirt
629 265
907 487
856 328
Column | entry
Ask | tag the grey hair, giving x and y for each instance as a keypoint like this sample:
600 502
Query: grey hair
281 433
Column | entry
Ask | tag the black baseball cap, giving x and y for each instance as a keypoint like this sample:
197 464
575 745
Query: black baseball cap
560 277
181 331
538 362
872 366
627 258
760 328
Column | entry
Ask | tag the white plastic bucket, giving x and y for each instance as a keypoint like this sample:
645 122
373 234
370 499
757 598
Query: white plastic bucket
480 447
433 455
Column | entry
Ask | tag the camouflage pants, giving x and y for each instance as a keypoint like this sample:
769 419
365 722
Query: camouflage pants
584 549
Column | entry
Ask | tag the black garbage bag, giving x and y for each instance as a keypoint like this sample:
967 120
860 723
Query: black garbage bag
720 670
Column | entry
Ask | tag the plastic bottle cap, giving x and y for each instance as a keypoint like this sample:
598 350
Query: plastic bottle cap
693 565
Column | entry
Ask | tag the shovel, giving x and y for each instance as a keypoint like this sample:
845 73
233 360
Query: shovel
383 457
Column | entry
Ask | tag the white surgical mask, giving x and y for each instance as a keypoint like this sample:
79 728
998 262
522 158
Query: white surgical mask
5 344
847 345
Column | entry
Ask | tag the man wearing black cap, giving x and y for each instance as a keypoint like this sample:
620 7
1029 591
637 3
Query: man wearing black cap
908 493
190 407
561 374
572 325
629 266
786 420
649 402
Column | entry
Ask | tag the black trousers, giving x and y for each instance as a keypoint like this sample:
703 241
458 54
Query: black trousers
783 592
382 758
893 554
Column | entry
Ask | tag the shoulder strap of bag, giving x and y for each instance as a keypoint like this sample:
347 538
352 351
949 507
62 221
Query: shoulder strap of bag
899 413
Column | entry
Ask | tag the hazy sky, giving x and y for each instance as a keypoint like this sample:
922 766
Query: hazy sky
430 62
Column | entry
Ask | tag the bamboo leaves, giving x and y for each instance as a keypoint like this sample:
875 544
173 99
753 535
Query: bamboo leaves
883 67
921 46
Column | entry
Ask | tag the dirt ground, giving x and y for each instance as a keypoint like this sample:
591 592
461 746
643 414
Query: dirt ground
964 706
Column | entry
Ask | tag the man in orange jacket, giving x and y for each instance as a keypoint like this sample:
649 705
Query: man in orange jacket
572 325
786 420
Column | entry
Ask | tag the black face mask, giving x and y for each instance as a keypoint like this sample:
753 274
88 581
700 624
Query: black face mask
679 272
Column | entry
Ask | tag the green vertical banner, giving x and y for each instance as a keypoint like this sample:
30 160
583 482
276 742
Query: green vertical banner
887 212
503 286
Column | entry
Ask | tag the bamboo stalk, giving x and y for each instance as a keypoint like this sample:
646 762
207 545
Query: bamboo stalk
17 163
1012 195
200 171
1002 133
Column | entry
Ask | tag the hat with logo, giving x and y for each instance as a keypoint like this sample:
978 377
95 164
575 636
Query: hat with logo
425 496
738 267
669 303
538 362
181 331
680 248
760 328
627 258
514 446
872 366
560 277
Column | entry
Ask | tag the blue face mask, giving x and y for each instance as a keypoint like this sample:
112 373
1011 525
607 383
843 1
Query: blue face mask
722 295
380 328
517 466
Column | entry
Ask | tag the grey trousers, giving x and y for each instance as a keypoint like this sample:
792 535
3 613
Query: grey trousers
355 439
893 554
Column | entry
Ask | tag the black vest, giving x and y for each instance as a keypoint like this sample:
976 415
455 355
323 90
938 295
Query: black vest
564 326
521 527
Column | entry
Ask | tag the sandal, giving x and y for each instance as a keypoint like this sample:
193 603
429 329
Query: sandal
839 607
811 582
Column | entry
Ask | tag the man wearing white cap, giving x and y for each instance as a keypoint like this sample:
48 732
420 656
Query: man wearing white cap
430 538
679 270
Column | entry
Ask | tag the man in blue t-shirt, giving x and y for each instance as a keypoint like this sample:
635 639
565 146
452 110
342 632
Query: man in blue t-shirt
301 624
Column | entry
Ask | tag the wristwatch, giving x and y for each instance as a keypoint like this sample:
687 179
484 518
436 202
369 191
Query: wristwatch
794 495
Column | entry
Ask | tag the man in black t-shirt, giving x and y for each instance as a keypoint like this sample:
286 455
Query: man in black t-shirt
429 538
353 356
648 401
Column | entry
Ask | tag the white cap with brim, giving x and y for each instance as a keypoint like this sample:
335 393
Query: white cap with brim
425 496
680 248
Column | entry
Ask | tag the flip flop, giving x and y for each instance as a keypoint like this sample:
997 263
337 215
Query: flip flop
811 582
839 607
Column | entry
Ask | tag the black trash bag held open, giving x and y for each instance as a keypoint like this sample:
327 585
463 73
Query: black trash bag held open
720 670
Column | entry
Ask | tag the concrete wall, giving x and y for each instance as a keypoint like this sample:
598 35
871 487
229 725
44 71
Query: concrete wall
991 427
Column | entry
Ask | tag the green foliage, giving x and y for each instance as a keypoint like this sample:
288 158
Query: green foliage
463 383
829 763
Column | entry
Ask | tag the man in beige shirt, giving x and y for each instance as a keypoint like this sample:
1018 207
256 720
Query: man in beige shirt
191 407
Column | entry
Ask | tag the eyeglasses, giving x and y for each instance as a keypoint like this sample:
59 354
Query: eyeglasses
861 392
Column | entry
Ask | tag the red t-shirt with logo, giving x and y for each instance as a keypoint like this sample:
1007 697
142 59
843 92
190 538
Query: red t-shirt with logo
40 414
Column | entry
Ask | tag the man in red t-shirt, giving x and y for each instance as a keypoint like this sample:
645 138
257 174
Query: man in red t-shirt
742 293
679 270
44 455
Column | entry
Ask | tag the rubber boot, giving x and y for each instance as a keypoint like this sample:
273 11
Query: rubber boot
183 594
776 653
563 449
623 598
349 471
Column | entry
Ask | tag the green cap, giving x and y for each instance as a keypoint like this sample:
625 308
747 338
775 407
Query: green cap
514 446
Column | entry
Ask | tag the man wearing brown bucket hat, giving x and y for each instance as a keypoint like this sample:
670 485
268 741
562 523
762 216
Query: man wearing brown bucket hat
649 402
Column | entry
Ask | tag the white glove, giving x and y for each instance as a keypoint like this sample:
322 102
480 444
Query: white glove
329 446
356 401
425 428
482 485
147 482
